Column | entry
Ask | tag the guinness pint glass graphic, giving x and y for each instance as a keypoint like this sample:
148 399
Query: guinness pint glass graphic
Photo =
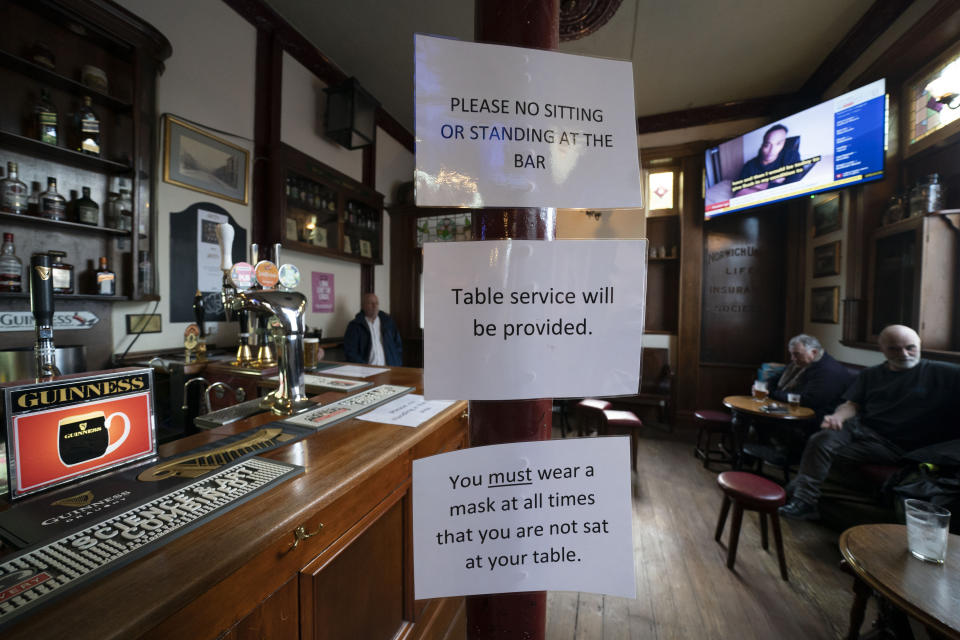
87 436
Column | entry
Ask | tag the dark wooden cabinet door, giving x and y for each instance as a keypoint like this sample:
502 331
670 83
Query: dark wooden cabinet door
355 588
275 618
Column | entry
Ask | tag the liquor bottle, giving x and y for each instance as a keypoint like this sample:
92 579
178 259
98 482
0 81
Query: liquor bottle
145 274
11 269
106 279
45 119
111 212
33 202
52 204
14 198
86 127
125 207
88 211
63 274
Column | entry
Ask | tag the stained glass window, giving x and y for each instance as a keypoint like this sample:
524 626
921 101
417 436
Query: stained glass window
926 114
443 228
660 191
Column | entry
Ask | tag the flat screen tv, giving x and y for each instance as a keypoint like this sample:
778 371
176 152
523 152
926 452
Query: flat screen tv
835 144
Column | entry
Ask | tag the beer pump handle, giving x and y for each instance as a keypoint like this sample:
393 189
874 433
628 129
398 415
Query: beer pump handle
225 236
199 313
41 289
276 253
244 317
254 253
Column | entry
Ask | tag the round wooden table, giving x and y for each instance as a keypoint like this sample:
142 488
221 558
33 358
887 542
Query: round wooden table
748 405
880 560
744 409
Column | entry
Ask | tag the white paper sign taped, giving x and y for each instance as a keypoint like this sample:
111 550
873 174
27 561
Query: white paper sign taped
527 516
518 319
500 126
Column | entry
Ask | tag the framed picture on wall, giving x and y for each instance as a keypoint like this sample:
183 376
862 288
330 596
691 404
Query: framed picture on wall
825 305
826 260
827 215
196 160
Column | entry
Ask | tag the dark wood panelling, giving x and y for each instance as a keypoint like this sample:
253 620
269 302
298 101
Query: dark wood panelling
266 20
868 28
720 380
723 112
691 274
743 287
275 618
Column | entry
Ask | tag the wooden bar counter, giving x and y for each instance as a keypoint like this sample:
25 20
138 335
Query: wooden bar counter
239 576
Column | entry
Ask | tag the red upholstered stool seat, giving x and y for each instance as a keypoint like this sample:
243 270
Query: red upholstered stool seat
590 414
746 491
630 420
712 423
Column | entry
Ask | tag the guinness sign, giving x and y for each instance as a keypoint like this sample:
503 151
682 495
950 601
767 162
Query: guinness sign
75 426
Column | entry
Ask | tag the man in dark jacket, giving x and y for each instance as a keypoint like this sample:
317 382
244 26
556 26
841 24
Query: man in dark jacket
372 336
814 374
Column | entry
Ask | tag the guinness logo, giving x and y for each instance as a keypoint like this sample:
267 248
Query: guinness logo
43 272
79 500
83 426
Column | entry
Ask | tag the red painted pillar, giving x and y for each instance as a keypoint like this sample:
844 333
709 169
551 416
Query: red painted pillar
512 616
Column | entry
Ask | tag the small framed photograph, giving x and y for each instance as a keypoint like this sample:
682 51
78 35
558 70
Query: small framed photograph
347 245
366 250
825 305
196 160
827 215
826 260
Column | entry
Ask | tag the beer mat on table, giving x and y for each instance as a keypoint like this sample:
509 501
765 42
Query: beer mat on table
322 366
42 573
56 513
327 383
775 409
348 407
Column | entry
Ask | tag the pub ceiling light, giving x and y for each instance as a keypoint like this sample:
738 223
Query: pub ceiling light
945 88
350 118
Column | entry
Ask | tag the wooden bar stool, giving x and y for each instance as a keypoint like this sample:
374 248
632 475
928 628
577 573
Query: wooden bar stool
712 423
631 421
753 493
590 413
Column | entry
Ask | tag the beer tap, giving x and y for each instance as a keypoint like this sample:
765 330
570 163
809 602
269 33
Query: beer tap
199 314
266 356
41 304
287 306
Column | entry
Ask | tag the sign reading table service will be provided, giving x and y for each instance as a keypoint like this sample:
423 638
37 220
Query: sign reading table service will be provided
526 516
501 126
519 319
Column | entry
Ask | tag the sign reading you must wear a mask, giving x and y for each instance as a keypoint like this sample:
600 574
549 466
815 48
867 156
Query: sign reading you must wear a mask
501 126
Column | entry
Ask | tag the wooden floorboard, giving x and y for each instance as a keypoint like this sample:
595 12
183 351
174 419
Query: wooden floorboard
684 589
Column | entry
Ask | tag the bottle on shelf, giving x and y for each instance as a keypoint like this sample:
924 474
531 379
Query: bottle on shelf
106 279
46 119
86 126
11 268
53 206
111 212
87 211
62 273
125 206
33 201
145 274
14 192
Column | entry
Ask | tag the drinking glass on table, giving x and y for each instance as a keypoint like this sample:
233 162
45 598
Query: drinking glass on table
793 399
927 529
760 390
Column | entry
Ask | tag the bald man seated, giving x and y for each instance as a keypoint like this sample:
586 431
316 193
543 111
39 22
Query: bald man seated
890 409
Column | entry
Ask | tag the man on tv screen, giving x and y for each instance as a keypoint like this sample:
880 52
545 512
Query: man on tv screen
776 152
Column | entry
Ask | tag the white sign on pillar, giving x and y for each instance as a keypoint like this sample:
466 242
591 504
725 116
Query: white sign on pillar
525 516
520 319
501 126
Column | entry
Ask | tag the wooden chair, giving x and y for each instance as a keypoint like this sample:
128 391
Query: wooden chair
749 492
656 385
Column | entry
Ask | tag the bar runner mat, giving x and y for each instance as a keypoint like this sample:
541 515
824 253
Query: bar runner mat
54 514
40 574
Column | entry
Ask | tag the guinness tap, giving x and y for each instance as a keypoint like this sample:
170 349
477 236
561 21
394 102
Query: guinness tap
41 304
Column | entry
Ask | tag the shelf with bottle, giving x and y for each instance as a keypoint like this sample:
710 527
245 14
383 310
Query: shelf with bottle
52 78
326 212
63 155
